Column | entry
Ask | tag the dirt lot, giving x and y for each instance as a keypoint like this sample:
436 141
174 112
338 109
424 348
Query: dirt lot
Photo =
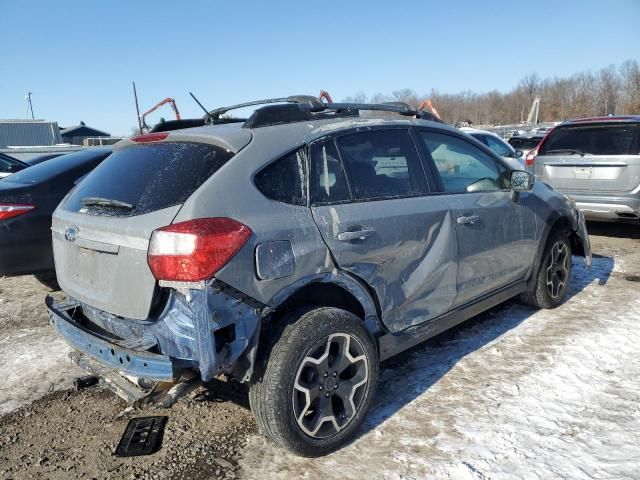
513 393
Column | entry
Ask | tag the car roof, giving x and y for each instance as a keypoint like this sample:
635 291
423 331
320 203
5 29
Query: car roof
618 118
235 136
470 130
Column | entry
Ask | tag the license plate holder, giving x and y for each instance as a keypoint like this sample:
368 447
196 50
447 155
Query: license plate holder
583 173
143 436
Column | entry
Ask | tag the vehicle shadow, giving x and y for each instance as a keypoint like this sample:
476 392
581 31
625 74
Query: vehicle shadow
615 230
408 375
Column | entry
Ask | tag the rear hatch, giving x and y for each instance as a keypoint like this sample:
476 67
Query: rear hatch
101 231
601 157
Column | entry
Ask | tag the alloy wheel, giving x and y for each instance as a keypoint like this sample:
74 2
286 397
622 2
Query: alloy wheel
558 270
330 385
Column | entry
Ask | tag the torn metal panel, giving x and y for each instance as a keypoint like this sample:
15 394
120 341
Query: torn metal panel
410 261
208 330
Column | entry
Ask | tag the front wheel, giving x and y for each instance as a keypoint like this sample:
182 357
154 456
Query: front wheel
315 384
553 277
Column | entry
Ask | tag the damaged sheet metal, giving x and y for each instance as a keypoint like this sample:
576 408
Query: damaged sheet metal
410 260
209 330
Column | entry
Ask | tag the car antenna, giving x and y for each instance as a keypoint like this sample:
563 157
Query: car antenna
207 114
135 96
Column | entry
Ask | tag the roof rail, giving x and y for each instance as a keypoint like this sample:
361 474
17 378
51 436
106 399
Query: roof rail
396 107
308 107
313 104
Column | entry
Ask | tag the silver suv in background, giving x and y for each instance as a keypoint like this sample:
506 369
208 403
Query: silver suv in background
597 162
295 250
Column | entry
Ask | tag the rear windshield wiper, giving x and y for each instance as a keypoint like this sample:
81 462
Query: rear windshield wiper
105 202
560 151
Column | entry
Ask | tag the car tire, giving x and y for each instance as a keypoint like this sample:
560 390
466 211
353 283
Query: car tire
554 274
313 386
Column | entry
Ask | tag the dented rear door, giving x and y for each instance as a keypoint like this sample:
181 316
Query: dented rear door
404 249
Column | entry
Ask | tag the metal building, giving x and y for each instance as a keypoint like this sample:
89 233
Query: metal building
78 133
28 133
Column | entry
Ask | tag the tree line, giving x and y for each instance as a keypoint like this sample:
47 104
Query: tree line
610 90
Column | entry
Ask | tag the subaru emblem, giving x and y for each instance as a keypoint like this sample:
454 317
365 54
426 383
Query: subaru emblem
71 234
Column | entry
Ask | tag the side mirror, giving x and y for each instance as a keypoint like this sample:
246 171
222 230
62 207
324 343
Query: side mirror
522 181
519 153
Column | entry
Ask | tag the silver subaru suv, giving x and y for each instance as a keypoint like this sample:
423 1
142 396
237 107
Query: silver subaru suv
295 250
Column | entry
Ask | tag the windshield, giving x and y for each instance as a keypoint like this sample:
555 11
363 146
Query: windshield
598 139
145 178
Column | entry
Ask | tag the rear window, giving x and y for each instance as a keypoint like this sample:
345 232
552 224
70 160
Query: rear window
146 178
54 167
609 139
524 143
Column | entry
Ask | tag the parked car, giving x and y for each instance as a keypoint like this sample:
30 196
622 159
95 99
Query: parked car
297 249
10 165
597 162
42 158
526 143
27 200
512 156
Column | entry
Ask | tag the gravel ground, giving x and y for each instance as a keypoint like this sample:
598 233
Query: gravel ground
513 393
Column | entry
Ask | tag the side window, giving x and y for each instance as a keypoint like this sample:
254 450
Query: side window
382 164
283 180
498 147
463 167
327 183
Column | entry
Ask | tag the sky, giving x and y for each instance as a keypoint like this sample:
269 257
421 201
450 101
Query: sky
79 57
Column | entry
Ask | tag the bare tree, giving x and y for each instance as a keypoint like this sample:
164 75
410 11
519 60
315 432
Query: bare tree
583 94
608 90
630 87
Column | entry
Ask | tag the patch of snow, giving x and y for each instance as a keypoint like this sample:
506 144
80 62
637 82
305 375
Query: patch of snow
516 393
34 362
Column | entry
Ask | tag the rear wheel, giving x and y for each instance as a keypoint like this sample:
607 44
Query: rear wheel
315 385
553 277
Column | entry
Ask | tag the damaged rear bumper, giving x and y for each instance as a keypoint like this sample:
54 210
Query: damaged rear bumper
213 330
132 362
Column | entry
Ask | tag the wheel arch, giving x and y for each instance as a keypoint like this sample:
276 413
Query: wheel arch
329 290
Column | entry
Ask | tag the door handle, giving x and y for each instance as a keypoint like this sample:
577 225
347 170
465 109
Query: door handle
469 219
355 235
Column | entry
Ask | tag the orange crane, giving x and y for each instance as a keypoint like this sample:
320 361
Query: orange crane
168 100
427 103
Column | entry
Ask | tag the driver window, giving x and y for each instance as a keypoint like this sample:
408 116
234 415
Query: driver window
463 167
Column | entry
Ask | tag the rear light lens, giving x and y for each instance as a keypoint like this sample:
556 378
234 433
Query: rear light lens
531 156
13 210
195 250
150 137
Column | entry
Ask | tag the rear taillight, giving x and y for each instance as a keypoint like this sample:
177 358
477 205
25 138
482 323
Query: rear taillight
150 137
195 250
13 210
530 159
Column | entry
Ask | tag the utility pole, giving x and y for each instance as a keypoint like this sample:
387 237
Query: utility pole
30 105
